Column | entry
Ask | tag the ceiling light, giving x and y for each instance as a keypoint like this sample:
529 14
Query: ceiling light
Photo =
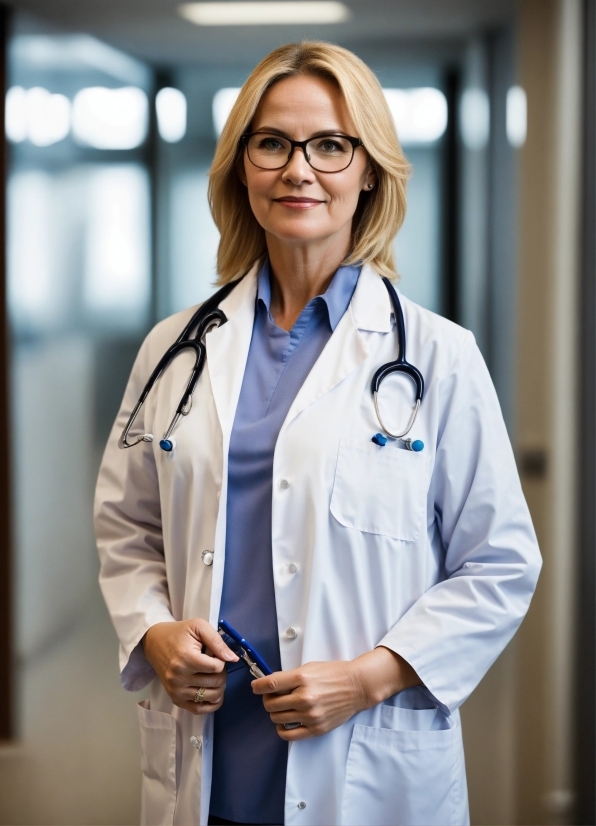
264 13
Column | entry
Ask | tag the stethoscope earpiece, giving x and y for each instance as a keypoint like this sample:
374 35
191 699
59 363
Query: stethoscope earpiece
167 445
379 439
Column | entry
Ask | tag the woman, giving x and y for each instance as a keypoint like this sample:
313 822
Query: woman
378 583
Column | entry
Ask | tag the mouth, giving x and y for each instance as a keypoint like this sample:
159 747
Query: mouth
293 202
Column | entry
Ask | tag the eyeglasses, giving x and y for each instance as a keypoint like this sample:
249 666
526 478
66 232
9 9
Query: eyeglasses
325 153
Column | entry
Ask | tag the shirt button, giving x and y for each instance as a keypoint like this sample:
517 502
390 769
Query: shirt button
292 567
196 742
302 805
284 484
291 633
207 557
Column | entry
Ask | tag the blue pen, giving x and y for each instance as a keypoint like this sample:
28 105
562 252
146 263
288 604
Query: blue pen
243 649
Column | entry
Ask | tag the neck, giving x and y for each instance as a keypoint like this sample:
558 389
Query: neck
298 274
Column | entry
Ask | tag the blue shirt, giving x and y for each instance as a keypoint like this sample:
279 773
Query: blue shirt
249 758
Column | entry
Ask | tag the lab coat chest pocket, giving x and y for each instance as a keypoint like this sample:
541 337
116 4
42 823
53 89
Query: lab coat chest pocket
158 763
405 778
380 490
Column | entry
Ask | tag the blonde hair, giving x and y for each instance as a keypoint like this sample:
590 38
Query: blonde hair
380 212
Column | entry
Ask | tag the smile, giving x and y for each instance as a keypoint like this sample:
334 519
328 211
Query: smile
298 203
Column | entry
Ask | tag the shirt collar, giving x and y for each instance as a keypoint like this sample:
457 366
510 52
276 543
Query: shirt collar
337 296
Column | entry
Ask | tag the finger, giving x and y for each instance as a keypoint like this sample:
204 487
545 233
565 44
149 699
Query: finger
293 716
200 678
212 640
283 702
205 664
291 735
210 695
200 708
277 682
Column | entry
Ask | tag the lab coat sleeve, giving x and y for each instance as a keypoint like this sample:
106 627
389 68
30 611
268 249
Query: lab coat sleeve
129 536
455 631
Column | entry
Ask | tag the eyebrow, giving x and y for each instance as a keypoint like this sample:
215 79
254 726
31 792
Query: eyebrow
271 130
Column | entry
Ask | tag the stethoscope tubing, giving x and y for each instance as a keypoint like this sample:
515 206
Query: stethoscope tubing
209 315
400 365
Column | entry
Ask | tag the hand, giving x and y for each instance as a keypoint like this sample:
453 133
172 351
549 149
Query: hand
176 652
323 695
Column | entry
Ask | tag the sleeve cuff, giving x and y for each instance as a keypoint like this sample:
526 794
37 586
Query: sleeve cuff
410 657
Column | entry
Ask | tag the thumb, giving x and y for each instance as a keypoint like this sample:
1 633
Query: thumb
210 638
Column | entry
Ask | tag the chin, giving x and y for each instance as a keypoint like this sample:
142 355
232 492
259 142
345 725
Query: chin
300 232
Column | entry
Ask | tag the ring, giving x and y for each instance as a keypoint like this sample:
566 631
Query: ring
199 696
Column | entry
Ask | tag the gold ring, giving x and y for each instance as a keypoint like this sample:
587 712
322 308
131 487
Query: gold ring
199 696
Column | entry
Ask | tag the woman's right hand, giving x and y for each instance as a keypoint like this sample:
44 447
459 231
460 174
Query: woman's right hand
176 650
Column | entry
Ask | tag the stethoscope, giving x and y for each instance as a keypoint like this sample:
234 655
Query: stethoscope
209 316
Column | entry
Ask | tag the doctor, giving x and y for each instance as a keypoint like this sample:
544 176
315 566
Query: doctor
379 583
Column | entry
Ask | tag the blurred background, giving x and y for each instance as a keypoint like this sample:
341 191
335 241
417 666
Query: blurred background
113 109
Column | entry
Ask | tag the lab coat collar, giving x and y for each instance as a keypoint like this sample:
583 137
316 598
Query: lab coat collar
227 349
371 306
228 345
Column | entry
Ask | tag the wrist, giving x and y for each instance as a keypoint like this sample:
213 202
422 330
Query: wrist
380 674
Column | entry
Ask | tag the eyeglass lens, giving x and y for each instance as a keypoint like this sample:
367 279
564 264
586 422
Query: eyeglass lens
326 153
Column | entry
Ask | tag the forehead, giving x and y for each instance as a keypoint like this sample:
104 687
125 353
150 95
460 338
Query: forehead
303 103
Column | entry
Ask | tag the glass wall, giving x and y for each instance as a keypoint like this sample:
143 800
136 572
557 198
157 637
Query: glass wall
79 288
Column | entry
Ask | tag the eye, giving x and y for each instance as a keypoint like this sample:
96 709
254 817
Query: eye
271 144
331 146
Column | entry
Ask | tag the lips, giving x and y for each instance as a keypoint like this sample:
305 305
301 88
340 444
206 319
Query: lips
298 203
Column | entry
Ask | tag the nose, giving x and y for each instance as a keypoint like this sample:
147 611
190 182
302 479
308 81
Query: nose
298 170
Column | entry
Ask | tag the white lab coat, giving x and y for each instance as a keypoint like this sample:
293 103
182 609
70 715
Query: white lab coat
431 554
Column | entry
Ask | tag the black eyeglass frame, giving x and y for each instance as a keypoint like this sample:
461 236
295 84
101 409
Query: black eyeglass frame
355 142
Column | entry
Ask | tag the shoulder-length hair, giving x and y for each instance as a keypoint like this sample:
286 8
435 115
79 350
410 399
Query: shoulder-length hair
380 212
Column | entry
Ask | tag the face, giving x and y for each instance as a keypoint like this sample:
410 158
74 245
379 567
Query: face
296 204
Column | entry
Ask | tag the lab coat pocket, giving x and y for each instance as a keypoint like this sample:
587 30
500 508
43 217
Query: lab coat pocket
158 762
380 490
405 778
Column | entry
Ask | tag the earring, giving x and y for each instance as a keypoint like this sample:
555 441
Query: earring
370 186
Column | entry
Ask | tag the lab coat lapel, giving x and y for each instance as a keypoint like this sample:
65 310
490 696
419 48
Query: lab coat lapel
347 348
227 350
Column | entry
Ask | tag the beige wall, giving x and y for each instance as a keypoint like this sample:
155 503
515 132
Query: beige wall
549 70
517 725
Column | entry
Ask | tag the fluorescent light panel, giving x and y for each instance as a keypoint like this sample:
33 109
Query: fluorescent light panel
264 13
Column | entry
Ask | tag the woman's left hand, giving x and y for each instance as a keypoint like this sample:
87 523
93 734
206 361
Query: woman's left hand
323 695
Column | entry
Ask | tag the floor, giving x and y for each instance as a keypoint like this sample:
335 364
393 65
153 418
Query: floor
76 760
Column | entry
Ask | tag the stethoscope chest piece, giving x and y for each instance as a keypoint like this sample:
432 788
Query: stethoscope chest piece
402 366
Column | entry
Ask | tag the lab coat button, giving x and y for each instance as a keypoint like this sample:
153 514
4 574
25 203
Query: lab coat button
291 633
292 567
284 484
302 805
196 742
207 557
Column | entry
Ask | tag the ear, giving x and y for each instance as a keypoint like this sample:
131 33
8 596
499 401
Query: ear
240 169
370 180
